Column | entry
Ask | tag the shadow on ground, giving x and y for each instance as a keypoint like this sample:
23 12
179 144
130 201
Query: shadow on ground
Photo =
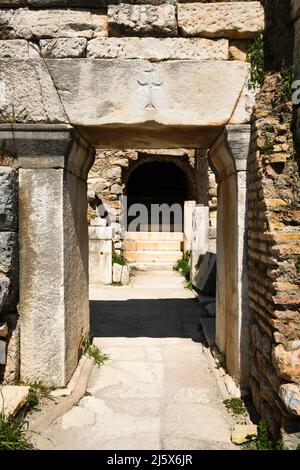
153 318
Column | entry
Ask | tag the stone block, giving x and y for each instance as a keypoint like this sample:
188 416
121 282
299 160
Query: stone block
205 278
200 235
4 290
227 20
8 199
290 395
238 50
117 272
2 354
28 93
61 48
18 49
8 255
13 398
54 23
142 20
243 433
125 275
98 222
100 262
101 233
156 49
287 363
170 94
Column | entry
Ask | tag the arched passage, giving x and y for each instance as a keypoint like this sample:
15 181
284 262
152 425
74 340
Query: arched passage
156 184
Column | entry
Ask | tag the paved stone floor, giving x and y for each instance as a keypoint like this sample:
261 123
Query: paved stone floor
157 391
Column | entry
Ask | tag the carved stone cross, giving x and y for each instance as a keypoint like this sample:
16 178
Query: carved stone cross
151 83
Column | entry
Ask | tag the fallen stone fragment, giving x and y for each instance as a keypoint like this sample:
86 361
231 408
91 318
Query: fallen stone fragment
243 433
13 398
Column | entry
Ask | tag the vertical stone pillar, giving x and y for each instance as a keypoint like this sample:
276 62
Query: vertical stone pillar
54 310
189 207
228 158
200 237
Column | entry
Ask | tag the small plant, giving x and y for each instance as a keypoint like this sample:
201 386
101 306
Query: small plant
263 440
183 265
13 434
287 79
94 352
189 285
37 391
268 148
235 406
118 259
99 358
221 361
256 58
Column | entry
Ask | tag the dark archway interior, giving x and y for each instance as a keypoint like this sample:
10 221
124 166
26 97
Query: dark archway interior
157 183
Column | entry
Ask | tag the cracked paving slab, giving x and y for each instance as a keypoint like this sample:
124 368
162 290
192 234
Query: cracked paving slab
157 390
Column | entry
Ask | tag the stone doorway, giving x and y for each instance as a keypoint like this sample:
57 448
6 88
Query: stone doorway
53 157
157 239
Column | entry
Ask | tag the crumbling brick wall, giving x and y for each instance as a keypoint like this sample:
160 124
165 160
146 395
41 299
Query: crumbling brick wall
273 252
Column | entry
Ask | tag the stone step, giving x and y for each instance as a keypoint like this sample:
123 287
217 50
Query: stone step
151 245
158 255
155 236
152 266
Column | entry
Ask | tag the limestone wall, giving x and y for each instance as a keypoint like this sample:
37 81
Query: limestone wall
94 29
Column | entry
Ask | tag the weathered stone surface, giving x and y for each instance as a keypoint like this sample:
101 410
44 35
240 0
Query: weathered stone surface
117 272
211 309
13 398
230 20
53 274
290 395
125 275
12 3
28 94
238 50
295 4
144 20
173 93
98 222
3 330
4 290
28 24
2 354
61 48
101 233
18 49
8 198
100 261
8 241
157 49
287 363
205 278
243 433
